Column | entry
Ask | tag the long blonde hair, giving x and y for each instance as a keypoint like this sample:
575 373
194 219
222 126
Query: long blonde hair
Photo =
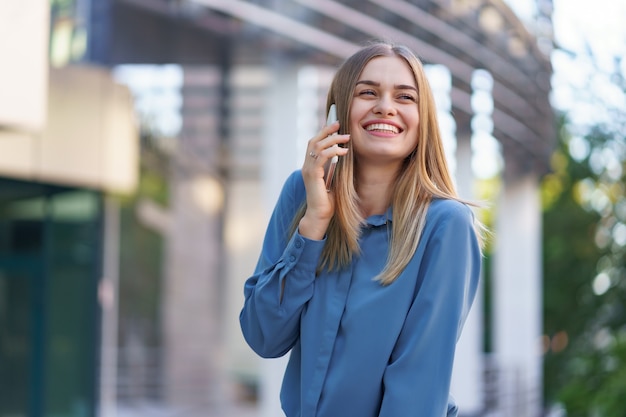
423 176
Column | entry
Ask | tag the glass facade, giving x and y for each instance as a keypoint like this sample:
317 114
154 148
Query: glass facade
50 264
68 31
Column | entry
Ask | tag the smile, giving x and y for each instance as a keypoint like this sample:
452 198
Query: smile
382 127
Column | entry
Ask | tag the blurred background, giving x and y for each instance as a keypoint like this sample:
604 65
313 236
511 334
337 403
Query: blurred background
143 144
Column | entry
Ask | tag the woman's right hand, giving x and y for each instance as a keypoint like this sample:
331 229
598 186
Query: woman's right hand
320 202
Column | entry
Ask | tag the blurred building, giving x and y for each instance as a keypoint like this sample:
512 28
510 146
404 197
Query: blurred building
245 82
68 139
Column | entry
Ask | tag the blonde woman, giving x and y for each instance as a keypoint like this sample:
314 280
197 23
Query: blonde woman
368 284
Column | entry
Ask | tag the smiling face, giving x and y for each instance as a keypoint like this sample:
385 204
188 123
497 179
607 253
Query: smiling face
384 116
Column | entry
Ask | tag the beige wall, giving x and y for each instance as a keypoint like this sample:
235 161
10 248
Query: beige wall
90 138
24 64
71 126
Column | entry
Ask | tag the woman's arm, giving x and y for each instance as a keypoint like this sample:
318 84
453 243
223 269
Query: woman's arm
283 280
417 379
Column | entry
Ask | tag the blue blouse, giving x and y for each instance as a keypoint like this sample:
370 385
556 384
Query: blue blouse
359 348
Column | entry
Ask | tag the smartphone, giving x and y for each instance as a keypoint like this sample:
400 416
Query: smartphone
329 167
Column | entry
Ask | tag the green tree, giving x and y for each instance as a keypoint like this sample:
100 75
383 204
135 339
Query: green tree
585 259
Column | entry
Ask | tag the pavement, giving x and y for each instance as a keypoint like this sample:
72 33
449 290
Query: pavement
147 409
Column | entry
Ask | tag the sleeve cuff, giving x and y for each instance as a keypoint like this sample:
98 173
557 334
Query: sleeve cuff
303 253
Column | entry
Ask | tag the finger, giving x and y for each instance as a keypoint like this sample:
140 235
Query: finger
325 139
329 129
330 142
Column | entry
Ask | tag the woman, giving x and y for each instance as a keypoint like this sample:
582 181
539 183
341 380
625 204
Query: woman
368 285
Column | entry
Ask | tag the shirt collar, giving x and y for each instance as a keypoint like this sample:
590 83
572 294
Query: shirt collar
380 219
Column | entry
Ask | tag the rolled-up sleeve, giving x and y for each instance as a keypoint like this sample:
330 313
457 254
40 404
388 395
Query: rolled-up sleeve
417 378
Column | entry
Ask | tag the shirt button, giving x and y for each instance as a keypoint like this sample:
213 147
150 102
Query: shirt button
292 258
298 244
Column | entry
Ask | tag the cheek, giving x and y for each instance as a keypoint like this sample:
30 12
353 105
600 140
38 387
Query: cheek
354 127
415 129
355 122
414 116
414 122
358 110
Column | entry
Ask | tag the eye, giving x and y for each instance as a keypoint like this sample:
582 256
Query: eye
367 93
407 96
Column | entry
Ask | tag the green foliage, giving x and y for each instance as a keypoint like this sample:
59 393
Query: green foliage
585 276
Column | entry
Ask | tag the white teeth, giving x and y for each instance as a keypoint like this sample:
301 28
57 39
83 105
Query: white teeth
382 127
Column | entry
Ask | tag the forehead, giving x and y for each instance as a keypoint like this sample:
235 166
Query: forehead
388 69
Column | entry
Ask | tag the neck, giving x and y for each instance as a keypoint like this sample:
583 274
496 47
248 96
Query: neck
374 187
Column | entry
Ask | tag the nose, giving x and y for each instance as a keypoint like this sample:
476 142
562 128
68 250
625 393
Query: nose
385 106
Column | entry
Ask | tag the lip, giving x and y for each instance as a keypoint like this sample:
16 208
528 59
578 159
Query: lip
382 121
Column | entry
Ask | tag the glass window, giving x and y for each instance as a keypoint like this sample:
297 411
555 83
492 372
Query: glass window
50 246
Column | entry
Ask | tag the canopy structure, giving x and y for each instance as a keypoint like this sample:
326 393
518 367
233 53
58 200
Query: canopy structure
462 35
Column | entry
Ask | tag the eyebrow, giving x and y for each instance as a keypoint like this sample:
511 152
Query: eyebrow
397 86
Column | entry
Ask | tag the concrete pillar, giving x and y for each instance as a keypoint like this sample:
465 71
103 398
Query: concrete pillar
517 298
291 119
191 290
246 216
108 298
279 158
467 376
467 387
